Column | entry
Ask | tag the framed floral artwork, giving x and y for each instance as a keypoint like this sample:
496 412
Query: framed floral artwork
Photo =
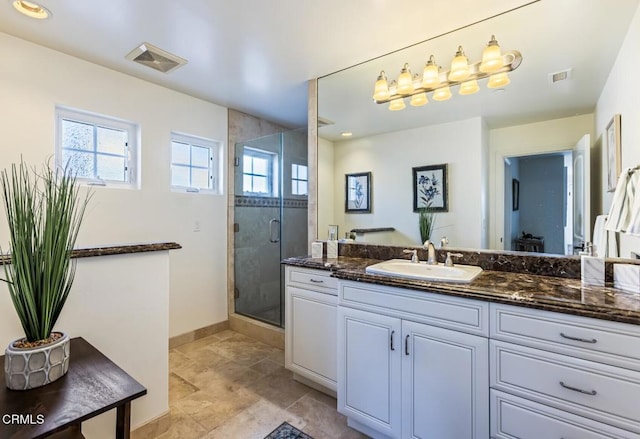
358 193
430 188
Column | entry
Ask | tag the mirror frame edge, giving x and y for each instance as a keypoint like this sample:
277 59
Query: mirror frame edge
312 158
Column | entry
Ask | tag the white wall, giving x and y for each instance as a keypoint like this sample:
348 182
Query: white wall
535 138
326 188
621 94
120 305
390 158
34 79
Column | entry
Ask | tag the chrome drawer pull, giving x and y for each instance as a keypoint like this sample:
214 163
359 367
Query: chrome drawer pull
575 389
392 348
583 340
315 281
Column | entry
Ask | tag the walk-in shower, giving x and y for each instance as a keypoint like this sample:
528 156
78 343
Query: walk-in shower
270 220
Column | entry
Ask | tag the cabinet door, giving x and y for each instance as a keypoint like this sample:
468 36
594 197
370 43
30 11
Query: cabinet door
445 387
311 335
369 355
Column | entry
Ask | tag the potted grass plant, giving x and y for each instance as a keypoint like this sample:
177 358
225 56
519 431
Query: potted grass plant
426 222
44 211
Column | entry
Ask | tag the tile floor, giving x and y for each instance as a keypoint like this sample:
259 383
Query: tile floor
228 385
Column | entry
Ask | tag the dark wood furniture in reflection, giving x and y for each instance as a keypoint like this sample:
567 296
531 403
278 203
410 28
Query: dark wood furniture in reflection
535 244
93 385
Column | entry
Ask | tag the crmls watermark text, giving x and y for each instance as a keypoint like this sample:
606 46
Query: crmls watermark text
16 419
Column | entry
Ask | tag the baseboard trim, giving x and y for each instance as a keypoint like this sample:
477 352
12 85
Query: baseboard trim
261 331
153 428
196 334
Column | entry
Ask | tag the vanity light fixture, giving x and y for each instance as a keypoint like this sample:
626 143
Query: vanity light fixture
494 65
31 9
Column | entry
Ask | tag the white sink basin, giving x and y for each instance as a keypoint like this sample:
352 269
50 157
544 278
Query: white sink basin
422 271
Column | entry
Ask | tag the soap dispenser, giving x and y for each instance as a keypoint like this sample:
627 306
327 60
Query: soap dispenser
592 267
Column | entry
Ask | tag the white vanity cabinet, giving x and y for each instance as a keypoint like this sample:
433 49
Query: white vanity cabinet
402 373
559 375
311 325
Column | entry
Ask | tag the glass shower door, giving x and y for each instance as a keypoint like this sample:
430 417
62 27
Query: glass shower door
258 228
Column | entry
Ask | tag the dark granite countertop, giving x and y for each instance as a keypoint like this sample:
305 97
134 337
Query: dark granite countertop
119 249
522 289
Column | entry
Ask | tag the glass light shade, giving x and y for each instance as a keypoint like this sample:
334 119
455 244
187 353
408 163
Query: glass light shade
498 80
491 57
405 81
442 94
397 104
469 87
431 74
419 99
381 89
459 67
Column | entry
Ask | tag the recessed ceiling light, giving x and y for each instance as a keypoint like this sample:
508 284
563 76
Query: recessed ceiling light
31 9
346 134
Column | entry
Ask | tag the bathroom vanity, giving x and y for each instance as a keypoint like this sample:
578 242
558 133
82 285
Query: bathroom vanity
509 355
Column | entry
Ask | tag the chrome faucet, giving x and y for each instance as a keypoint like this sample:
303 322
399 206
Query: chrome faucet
414 255
431 252
449 262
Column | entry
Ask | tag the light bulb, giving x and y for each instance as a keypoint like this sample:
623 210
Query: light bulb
397 104
405 81
491 57
381 90
498 80
431 74
469 87
459 67
442 94
419 99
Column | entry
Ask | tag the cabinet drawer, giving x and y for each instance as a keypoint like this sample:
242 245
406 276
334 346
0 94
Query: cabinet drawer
604 393
319 280
466 315
612 343
513 417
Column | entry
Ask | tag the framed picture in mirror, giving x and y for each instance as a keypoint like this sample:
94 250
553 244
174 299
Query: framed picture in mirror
613 148
358 193
430 188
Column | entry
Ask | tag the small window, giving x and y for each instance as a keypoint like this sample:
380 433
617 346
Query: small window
299 179
100 150
194 163
259 172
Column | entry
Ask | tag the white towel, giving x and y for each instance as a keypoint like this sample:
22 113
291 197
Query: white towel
600 236
624 215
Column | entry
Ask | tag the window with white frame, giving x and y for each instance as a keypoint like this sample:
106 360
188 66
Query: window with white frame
100 150
259 172
299 179
194 163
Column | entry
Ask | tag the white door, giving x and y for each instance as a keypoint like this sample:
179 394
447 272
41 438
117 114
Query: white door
445 387
311 335
582 191
369 355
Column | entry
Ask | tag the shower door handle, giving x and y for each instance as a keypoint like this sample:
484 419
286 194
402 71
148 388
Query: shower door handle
271 223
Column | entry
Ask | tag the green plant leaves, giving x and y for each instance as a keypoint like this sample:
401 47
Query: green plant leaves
44 212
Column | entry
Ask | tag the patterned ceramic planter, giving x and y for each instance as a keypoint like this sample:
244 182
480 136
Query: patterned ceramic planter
27 368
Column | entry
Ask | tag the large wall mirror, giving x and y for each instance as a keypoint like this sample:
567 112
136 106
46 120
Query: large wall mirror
525 160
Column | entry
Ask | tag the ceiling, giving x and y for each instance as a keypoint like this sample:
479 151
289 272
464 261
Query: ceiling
255 56
552 35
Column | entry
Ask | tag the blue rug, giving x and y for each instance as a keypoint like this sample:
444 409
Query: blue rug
287 431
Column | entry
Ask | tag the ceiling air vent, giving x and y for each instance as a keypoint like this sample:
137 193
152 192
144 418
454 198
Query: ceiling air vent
323 122
563 75
156 58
